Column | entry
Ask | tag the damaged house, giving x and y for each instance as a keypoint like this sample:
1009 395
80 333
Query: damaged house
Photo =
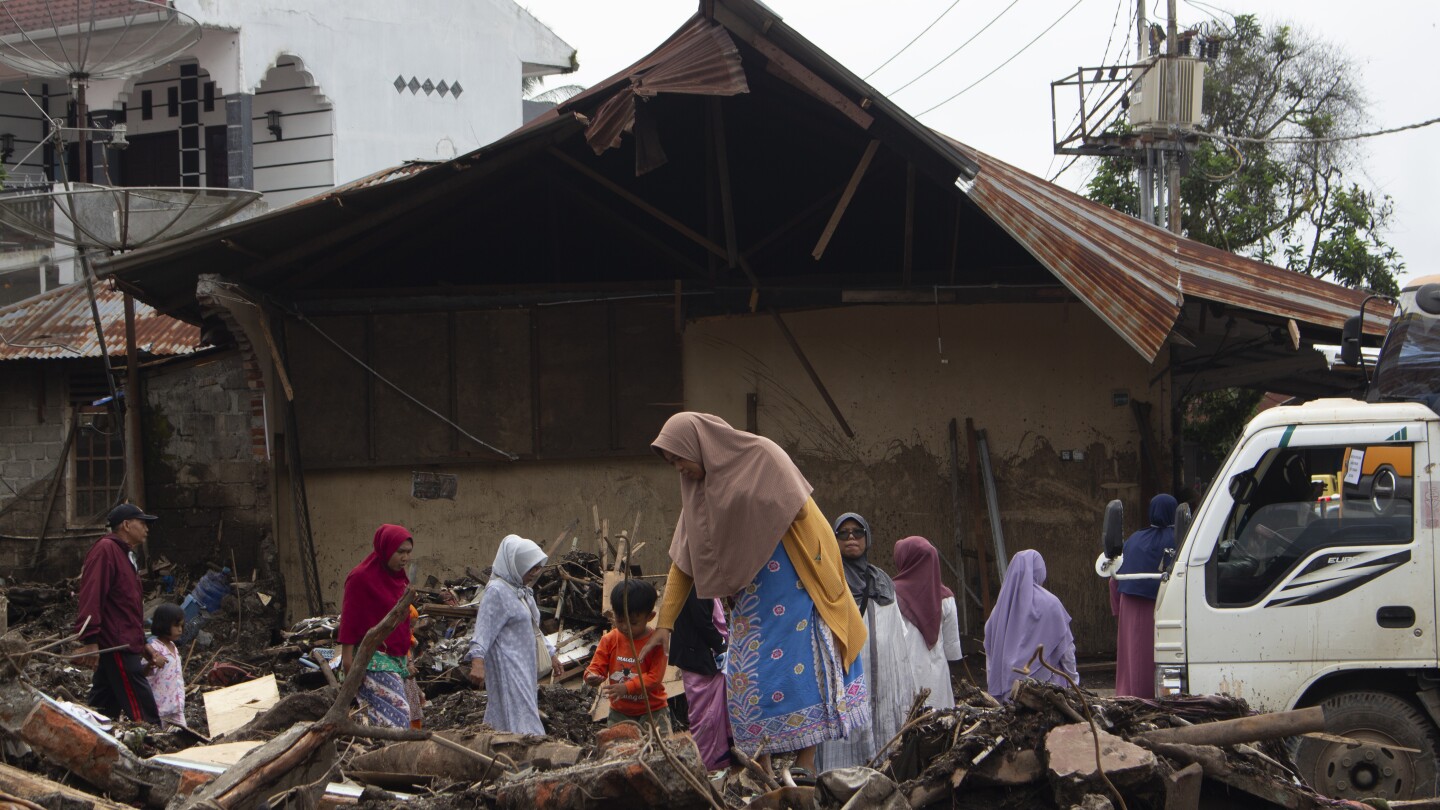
734 224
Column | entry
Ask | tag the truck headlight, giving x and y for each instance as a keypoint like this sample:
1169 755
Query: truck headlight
1171 680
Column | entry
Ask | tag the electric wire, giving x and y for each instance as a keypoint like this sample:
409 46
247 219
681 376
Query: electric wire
912 42
1012 58
1333 139
993 20
1088 93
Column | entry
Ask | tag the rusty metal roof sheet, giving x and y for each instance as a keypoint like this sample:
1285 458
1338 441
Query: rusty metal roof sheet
1135 275
59 325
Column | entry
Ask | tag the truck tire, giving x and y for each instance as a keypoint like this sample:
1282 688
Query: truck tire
1344 772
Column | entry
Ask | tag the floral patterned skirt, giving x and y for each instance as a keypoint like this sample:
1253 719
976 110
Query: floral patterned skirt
788 688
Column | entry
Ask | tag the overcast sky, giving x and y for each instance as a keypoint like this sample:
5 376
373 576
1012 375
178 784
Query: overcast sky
1392 42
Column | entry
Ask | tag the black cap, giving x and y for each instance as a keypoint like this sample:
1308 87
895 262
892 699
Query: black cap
127 511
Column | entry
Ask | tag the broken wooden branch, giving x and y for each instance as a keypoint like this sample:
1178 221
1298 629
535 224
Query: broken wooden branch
82 747
765 778
1256 728
34 788
294 757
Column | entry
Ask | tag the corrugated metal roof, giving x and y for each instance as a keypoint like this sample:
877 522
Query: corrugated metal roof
59 325
1135 275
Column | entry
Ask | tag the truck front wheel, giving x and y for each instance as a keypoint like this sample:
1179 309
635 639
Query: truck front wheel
1372 769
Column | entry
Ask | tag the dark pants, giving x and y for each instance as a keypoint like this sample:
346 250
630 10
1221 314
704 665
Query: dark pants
119 687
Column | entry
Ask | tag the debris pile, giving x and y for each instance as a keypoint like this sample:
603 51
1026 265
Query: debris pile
289 736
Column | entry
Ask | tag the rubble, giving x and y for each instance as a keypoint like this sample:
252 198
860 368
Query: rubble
1046 747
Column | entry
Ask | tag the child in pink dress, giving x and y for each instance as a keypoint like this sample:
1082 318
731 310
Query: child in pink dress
168 680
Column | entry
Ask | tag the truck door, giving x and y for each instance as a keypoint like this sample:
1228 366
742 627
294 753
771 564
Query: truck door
1293 589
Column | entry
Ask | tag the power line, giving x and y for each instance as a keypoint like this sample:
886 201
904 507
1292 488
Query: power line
993 20
1012 58
913 41
1085 99
1353 137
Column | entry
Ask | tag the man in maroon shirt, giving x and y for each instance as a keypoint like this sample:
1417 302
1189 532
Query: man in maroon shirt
111 614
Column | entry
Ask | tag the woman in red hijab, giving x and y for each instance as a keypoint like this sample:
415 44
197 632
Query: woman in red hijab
372 588
932 624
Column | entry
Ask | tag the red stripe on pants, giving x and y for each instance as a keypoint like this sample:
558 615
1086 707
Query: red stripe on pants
129 692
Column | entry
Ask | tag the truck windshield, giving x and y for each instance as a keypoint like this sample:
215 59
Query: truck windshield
1409 365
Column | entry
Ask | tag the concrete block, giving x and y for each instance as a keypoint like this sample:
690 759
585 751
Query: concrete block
27 452
1071 753
210 495
1011 769
211 401
14 435
173 496
239 496
18 472
238 472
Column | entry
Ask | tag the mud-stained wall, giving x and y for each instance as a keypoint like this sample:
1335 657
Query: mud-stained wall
1040 379
535 500
207 476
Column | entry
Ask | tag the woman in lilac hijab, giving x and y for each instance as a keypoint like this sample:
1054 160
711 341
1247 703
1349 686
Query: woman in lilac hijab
1027 616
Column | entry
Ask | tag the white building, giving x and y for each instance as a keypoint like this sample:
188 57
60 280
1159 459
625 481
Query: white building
286 97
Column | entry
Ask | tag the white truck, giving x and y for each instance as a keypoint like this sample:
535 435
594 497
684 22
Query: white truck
1288 602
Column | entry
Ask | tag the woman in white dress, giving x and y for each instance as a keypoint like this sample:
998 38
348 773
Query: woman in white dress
886 652
930 613
503 655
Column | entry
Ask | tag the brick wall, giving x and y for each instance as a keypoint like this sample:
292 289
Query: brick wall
32 436
206 468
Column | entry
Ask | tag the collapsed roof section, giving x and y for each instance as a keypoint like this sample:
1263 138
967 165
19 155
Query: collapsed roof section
739 162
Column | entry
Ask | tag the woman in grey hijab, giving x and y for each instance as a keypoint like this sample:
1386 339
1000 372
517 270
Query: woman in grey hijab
886 653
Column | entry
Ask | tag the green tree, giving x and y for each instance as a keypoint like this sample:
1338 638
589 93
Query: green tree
1272 182
1277 200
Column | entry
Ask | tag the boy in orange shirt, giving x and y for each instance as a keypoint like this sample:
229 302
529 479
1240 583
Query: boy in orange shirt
633 603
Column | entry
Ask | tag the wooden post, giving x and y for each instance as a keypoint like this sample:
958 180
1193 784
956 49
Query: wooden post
134 453
845 197
974 466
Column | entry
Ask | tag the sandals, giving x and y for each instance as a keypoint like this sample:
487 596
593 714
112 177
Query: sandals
802 777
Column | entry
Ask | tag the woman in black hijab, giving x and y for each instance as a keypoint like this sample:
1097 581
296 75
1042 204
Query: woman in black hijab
886 653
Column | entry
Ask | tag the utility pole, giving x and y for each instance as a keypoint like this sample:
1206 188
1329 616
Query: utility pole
1172 179
1144 180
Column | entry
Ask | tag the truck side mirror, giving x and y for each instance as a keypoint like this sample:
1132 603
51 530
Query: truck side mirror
1112 536
1242 486
1182 524
1350 341
1427 298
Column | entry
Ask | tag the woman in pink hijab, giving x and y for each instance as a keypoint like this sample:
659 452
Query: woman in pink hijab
933 624
1027 616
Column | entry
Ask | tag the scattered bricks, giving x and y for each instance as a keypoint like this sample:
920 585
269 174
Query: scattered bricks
1071 753
607 738
1010 769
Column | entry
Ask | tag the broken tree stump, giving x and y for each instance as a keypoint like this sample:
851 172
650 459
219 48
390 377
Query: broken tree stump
643 778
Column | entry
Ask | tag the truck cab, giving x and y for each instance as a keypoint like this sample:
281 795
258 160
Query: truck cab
1285 606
